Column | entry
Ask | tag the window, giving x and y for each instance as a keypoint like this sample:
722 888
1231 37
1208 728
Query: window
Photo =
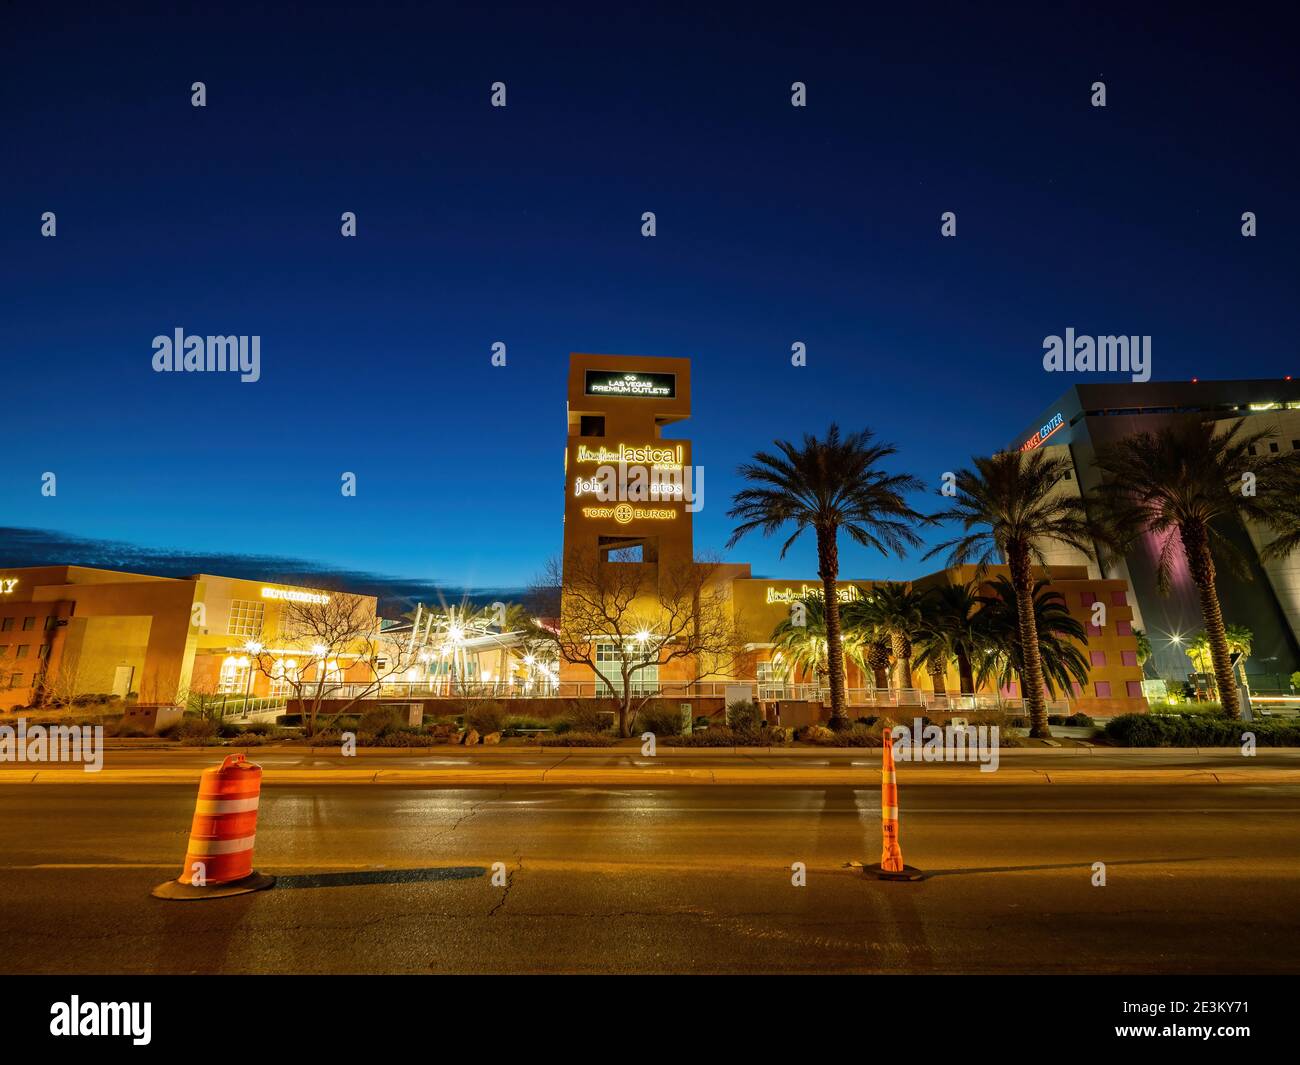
234 675
50 619
16 681
1272 447
1098 658
4 649
609 665
1103 689
1129 658
1119 598
43 651
1124 628
23 649
246 617
1134 689
1295 445
29 624
1087 598
592 425
7 625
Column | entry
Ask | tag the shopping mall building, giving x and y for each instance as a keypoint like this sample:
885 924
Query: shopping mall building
1089 416
74 630
618 410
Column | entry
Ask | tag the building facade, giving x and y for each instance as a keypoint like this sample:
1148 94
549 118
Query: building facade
75 630
1090 416
618 409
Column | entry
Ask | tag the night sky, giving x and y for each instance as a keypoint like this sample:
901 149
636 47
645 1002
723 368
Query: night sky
522 225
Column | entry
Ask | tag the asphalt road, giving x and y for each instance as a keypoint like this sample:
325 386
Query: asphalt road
673 880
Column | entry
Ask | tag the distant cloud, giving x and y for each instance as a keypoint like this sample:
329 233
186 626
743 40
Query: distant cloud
42 547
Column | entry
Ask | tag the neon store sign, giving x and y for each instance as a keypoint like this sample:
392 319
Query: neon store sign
1047 430
665 458
295 597
848 594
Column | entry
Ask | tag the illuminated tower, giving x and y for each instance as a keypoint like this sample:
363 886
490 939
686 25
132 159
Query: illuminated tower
618 406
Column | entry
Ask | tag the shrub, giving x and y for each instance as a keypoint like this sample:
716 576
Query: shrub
380 721
744 716
486 717
582 715
124 727
1055 719
1197 730
196 729
401 738
714 736
857 736
577 739
1079 720
659 720
868 721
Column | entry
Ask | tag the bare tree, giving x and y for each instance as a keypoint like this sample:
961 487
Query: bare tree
651 615
318 642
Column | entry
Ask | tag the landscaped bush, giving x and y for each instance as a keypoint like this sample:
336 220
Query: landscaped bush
867 721
193 730
379 721
486 717
857 736
660 720
123 728
578 739
713 736
1079 720
401 738
582 716
515 723
744 716
1197 730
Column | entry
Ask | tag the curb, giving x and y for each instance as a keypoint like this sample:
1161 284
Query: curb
661 776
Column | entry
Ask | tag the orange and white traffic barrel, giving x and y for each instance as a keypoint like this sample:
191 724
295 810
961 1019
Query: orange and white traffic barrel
891 865
219 857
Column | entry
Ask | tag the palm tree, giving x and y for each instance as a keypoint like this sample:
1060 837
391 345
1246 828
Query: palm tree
803 647
1010 508
894 610
1144 649
1182 485
1240 640
829 485
1060 637
949 633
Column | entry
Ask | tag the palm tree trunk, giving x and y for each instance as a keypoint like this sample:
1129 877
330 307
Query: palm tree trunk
1197 545
902 660
964 672
828 569
937 679
1031 674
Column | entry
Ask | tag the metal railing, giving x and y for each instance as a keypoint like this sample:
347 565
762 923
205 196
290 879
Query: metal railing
767 692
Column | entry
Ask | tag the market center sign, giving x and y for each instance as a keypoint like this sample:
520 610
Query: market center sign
1047 430
635 385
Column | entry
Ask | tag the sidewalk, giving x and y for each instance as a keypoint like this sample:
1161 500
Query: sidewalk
458 767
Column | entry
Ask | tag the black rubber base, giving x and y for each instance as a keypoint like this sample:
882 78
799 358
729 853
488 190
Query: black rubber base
880 873
175 891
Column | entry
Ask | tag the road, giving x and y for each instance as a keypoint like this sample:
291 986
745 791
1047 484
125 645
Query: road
680 879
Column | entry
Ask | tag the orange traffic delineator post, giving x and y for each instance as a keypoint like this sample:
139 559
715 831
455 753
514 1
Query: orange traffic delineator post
891 865
219 858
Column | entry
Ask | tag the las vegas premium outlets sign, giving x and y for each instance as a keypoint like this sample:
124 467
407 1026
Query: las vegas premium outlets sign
612 383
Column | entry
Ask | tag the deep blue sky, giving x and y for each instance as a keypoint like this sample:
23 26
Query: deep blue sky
522 225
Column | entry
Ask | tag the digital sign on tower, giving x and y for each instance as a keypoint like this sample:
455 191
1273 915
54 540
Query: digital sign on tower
614 383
